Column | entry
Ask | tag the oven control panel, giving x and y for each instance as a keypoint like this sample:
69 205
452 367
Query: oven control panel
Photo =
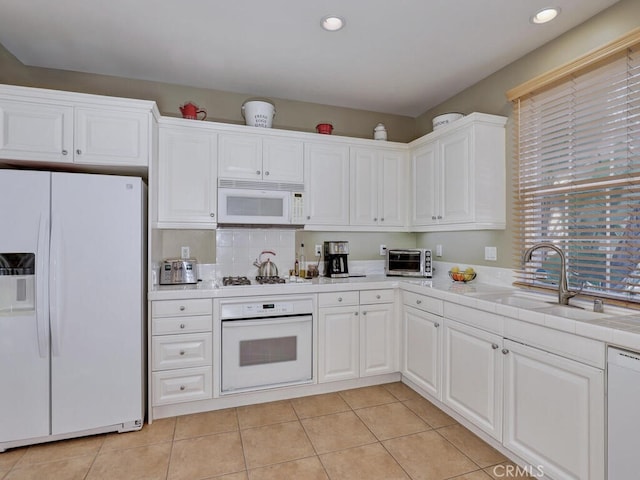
265 307
262 309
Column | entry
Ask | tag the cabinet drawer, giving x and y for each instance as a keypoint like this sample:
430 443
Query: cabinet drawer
181 351
423 302
170 308
337 299
376 296
167 325
185 385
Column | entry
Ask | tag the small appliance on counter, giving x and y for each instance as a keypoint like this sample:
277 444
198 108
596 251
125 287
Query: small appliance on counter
335 259
179 271
408 262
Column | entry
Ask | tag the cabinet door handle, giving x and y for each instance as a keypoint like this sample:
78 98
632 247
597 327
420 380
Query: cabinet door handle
339 299
182 325
505 351
182 307
182 388
433 217
79 152
212 214
382 219
64 152
364 313
266 174
436 324
355 313
418 302
378 297
308 217
439 217
257 172
181 352
495 346
375 219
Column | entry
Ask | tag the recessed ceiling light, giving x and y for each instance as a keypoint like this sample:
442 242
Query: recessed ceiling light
545 15
332 23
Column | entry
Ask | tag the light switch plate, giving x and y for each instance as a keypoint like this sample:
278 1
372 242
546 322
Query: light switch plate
491 253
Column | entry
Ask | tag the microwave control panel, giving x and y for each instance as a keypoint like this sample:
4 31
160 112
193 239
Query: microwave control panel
297 208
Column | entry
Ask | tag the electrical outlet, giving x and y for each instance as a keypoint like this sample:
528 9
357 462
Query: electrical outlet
383 250
185 252
438 250
491 253
318 250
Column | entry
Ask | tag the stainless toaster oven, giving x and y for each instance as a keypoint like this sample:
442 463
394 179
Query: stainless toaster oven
409 262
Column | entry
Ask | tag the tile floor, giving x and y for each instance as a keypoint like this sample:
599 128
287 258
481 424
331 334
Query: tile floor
383 432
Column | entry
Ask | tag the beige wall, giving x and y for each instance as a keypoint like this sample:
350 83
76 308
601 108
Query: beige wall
220 106
488 96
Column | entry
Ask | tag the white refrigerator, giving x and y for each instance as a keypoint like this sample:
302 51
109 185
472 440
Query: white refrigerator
71 305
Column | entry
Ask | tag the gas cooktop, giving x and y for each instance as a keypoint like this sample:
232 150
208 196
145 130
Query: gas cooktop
231 281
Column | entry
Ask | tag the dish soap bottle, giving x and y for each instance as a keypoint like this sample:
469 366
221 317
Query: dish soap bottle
302 266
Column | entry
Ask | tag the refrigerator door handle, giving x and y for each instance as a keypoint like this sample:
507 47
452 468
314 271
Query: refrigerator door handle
41 300
55 264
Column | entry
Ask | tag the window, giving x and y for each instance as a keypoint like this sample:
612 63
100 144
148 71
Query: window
577 176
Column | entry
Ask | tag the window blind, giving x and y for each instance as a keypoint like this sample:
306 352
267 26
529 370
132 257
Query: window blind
577 179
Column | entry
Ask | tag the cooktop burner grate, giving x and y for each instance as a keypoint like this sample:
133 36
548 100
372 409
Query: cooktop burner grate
269 280
226 281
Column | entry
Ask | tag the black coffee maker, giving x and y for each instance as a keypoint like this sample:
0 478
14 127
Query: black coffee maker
335 259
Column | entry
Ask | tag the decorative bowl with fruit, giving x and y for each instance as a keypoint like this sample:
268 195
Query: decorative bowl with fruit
465 276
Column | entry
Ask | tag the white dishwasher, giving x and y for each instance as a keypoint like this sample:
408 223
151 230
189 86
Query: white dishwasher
623 414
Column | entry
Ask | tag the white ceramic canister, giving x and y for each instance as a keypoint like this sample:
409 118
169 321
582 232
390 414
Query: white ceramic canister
380 132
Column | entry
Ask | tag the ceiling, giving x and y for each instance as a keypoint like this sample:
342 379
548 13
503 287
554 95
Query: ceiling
393 56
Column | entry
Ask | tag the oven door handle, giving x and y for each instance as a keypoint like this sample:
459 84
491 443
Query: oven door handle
266 321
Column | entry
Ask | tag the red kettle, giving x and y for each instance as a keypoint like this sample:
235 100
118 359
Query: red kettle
191 111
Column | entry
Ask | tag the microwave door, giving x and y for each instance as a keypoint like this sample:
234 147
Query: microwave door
239 206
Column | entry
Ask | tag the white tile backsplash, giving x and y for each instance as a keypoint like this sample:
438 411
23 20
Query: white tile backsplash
237 249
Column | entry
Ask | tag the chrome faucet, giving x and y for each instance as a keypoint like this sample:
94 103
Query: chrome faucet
564 294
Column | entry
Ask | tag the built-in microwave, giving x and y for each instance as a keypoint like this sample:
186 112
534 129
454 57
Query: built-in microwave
260 203
409 262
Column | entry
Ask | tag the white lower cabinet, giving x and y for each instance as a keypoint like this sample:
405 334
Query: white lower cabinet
378 351
355 340
554 413
338 343
181 351
422 345
546 408
422 342
472 372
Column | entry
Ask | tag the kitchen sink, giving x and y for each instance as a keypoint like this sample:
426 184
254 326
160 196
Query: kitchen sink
518 299
548 304
574 313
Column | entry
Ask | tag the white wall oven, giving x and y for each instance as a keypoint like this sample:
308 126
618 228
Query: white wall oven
266 342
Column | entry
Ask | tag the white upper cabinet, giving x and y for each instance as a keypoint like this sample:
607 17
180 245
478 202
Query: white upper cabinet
458 176
256 157
377 194
33 131
61 127
326 170
187 175
111 137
